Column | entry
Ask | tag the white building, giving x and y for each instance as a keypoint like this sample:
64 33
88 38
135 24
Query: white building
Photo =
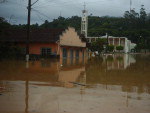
84 22
116 41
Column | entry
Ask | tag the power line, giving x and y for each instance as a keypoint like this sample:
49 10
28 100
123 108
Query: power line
63 4
42 5
18 4
68 3
39 17
34 2
60 4
41 13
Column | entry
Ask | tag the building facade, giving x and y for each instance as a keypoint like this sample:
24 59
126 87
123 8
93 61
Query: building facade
84 22
70 45
65 43
116 41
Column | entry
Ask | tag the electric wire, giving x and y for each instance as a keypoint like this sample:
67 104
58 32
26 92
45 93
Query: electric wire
41 13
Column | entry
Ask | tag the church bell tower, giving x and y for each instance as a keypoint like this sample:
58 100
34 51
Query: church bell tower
84 22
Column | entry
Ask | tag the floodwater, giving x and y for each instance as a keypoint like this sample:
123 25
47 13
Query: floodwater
108 84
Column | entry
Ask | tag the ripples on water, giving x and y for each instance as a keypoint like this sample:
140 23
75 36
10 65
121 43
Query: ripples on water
108 84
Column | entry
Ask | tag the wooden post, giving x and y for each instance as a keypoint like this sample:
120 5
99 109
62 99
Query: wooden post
28 30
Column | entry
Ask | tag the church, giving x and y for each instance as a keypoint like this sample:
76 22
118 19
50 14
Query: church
116 41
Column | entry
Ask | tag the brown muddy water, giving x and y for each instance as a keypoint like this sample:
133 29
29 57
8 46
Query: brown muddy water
111 84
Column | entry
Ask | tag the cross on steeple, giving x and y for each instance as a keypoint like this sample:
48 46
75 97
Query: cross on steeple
84 6
130 5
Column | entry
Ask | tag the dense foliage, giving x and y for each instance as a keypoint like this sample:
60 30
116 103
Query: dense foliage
110 48
8 50
133 25
119 48
99 45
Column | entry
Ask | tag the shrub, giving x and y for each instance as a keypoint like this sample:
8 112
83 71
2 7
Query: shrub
110 48
119 48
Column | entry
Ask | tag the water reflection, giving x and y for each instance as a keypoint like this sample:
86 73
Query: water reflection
119 61
76 85
123 72
42 71
71 70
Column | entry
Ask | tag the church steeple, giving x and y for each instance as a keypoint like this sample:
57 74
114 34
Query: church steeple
84 21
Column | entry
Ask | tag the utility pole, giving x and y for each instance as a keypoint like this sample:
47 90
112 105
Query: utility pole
28 30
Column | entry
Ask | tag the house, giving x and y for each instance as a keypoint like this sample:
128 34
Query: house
65 43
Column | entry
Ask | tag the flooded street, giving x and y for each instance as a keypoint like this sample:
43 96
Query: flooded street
117 83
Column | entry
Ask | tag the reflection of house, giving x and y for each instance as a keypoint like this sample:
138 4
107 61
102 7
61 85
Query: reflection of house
65 43
73 70
28 88
119 61
43 71
56 72
73 75
111 75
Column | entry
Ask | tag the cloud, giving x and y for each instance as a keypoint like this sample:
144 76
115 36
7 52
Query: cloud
50 9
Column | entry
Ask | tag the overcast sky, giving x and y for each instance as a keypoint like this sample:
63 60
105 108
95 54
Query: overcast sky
15 11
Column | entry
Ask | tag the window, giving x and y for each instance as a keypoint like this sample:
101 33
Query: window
84 26
64 52
83 32
77 53
71 53
122 42
82 53
45 51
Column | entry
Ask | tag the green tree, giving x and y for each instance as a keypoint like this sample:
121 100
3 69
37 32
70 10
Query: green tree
119 48
143 16
127 15
94 46
132 18
4 24
110 48
98 45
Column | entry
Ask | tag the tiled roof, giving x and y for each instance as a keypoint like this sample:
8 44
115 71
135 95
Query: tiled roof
37 35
